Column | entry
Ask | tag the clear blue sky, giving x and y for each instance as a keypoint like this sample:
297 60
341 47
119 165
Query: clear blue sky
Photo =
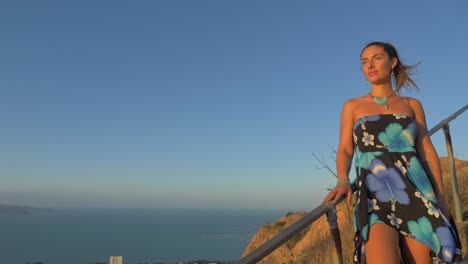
213 104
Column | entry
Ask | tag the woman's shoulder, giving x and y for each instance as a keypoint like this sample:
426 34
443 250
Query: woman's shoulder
352 102
351 105
415 106
413 102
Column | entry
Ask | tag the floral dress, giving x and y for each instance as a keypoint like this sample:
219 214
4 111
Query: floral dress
394 189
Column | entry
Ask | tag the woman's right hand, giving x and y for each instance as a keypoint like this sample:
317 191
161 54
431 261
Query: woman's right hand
341 189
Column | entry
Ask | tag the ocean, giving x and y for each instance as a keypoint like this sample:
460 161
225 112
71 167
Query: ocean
84 236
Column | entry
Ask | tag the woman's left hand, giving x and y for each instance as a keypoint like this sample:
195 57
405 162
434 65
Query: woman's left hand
340 190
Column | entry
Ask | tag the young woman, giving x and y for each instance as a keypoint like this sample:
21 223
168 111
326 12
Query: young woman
400 214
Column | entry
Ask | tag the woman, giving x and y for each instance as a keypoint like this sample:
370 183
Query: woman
400 214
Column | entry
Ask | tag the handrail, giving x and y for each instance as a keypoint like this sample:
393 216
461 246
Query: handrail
276 241
282 237
447 120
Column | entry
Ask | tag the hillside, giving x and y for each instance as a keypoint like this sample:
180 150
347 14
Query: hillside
315 245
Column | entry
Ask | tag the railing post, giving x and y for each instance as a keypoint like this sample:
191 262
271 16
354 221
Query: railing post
332 219
451 163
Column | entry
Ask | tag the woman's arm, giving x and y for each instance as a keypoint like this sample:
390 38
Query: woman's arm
425 148
344 154
345 151
428 155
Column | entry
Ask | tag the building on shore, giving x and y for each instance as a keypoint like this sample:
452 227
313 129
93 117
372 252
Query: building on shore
115 260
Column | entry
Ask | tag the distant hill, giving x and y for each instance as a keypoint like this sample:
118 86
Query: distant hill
14 209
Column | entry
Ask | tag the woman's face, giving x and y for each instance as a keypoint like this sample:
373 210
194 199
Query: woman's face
376 64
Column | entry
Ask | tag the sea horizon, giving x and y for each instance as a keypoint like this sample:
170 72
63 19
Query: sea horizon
141 235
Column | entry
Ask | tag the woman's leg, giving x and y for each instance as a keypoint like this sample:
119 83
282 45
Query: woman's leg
382 245
414 252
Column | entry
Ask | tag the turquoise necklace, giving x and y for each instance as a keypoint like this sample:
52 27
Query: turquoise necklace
381 101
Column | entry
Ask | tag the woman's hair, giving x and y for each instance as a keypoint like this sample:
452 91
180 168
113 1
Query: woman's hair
401 72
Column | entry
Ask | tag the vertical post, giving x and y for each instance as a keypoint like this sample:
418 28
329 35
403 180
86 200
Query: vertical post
451 163
332 221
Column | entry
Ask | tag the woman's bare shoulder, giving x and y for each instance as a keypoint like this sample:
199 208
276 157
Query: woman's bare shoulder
351 103
416 108
414 103
350 108
410 100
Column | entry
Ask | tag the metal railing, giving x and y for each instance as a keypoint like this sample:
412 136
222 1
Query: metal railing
329 209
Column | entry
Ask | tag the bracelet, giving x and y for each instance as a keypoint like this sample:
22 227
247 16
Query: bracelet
341 181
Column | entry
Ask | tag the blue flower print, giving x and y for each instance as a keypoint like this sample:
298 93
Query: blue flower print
407 234
386 183
397 139
362 121
423 231
372 118
372 205
399 116
448 244
418 176
363 159
394 221
431 210
421 196
368 139
400 166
